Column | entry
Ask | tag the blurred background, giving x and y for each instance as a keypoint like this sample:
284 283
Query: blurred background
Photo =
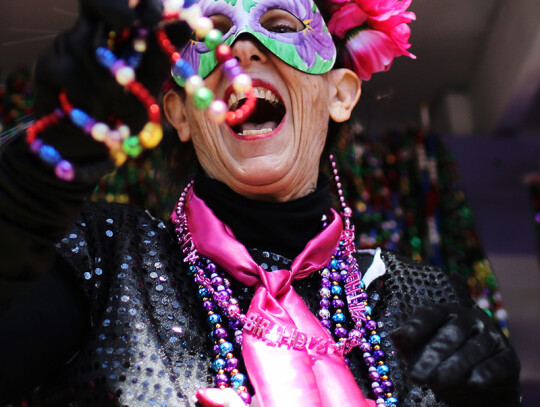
469 105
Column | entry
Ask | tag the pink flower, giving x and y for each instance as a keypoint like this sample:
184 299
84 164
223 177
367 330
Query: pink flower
383 33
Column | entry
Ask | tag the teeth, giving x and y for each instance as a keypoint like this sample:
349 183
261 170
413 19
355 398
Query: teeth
232 100
261 93
253 132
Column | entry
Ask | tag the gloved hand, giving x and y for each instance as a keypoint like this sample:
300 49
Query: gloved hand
461 354
71 64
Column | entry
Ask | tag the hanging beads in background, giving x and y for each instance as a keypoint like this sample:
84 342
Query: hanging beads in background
406 195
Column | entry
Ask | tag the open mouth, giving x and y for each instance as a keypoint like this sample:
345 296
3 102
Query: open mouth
267 115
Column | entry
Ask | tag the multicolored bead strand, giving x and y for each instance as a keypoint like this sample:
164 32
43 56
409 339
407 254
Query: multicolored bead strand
216 295
217 298
152 132
48 154
364 325
119 140
203 97
99 131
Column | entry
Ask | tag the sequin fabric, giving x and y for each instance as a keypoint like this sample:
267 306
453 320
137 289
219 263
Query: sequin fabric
149 344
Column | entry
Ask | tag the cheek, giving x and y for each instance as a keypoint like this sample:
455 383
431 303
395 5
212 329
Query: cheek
204 134
314 116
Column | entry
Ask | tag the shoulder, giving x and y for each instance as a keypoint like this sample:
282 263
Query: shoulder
409 284
104 231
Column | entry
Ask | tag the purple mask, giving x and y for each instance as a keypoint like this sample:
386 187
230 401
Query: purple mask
293 30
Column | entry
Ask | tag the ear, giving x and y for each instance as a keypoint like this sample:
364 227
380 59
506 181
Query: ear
345 91
175 111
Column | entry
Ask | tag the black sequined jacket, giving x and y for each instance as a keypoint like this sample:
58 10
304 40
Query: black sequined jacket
131 269
125 277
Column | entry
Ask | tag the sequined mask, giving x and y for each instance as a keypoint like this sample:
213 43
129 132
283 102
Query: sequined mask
293 30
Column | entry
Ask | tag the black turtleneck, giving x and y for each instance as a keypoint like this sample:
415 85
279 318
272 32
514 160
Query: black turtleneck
279 227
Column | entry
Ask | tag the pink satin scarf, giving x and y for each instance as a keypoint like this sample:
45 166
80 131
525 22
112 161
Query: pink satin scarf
281 377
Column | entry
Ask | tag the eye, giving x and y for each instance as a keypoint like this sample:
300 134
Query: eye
281 21
220 22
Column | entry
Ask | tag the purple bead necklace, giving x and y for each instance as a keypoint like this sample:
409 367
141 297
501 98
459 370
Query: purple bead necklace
341 287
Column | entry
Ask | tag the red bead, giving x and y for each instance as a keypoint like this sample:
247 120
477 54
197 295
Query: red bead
134 87
229 117
154 113
30 135
223 53
175 56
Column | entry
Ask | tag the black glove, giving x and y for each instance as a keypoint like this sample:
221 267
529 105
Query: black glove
71 64
461 354
37 208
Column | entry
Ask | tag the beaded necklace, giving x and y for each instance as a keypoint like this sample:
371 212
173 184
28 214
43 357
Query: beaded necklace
118 139
341 285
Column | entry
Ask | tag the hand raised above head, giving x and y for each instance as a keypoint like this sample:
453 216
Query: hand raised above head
461 354
72 64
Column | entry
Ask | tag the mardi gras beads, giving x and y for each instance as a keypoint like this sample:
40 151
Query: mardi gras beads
47 153
118 138
203 97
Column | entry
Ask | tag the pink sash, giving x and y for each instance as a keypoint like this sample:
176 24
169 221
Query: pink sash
282 376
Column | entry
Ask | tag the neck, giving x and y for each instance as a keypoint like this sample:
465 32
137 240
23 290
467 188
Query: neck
279 227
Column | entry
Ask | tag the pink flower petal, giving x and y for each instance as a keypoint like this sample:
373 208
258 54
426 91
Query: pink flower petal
369 52
387 36
347 18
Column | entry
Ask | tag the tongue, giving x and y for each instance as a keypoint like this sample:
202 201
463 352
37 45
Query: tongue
258 126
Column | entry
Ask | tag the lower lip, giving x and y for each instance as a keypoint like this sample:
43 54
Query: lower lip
253 137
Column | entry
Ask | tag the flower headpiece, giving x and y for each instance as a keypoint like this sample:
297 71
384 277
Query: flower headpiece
375 32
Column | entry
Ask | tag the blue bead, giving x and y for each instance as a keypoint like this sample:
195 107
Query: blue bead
334 263
225 348
134 60
374 339
79 117
192 270
391 401
105 56
368 310
219 364
382 369
336 290
339 318
203 292
183 69
237 380
49 154
214 319
189 3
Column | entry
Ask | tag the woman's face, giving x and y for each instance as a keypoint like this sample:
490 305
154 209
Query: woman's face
275 154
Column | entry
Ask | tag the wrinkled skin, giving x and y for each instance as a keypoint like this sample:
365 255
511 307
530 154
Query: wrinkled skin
285 165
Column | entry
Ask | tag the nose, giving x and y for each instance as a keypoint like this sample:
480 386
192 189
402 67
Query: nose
248 51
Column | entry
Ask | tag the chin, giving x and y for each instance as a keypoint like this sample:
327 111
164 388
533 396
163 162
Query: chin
259 173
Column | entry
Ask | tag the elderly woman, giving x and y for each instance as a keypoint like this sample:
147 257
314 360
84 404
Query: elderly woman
253 293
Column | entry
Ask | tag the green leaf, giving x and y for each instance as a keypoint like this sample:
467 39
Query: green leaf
248 5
